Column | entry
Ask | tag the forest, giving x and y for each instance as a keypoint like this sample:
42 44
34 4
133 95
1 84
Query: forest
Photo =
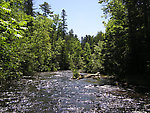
32 41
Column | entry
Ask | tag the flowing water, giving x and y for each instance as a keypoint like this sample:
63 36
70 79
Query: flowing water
56 92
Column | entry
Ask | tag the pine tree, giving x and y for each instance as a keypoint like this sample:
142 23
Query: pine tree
28 8
46 8
64 23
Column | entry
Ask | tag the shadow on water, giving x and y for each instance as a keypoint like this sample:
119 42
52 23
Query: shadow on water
57 92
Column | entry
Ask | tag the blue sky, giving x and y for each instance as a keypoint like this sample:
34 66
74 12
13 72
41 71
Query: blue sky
83 16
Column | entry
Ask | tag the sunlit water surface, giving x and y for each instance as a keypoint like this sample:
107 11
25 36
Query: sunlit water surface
56 92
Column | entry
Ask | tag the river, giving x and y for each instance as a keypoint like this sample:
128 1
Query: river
56 92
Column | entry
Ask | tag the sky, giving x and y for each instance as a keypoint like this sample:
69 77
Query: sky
83 16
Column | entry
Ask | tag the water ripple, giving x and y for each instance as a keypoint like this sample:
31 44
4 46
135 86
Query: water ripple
56 92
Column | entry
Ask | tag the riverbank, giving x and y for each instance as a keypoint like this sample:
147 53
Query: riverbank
136 83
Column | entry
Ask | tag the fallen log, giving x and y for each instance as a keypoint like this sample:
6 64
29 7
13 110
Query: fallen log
96 76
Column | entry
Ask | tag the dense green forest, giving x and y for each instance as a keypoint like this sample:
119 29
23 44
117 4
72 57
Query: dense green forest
35 42
32 41
127 41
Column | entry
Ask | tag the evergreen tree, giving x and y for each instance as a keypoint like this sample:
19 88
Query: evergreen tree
46 8
88 39
64 23
98 37
87 58
127 34
116 38
28 7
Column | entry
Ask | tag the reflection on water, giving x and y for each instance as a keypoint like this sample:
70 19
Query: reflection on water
57 92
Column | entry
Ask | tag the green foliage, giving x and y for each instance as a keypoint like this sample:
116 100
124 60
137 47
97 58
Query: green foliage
115 49
34 44
46 8
40 40
98 57
126 43
75 74
63 24
11 31
28 7
87 58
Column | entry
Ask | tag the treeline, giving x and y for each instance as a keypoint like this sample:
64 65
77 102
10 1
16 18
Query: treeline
124 49
38 42
126 45
35 42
